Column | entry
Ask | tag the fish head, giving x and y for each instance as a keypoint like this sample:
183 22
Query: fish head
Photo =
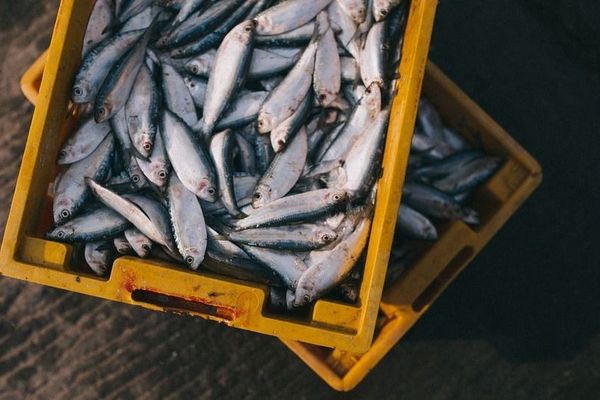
381 9
98 266
62 209
102 112
305 293
160 174
279 137
358 13
324 236
261 196
61 233
193 257
144 144
65 154
199 66
264 122
206 190
336 197
122 246
245 30
263 24
326 97
81 92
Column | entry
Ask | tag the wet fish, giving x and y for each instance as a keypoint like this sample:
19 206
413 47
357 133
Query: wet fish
98 256
414 225
98 224
221 147
139 242
283 171
83 142
227 73
288 15
188 223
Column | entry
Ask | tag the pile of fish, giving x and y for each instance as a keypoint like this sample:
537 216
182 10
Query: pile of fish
240 137
442 174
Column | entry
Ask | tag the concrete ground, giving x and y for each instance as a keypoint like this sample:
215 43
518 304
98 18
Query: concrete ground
522 322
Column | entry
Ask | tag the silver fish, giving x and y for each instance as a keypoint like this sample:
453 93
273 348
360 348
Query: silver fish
430 201
295 208
263 64
286 264
98 256
469 175
289 94
243 110
141 112
221 147
83 142
139 242
363 160
245 156
322 276
118 123
177 97
415 225
345 29
327 79
188 223
301 237
130 210
372 59
227 73
157 167
71 191
98 25
283 172
97 63
295 37
288 15
362 115
189 159
115 89
285 132
101 223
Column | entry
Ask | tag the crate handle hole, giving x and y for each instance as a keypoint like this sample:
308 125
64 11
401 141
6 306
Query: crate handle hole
181 305
444 277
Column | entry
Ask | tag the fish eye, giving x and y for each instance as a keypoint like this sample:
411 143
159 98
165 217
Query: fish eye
257 195
162 174
189 260
306 298
248 27
337 196
135 178
260 123
192 85
102 111
62 153
194 69
147 146
77 91
146 247
326 237
60 234
384 12
65 213
322 96
281 142
211 190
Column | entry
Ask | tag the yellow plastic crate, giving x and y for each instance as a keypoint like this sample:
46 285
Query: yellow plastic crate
157 285
417 288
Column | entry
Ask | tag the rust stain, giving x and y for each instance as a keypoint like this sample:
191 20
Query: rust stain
128 281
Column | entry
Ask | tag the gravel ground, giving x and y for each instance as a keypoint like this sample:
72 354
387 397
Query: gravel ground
521 322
